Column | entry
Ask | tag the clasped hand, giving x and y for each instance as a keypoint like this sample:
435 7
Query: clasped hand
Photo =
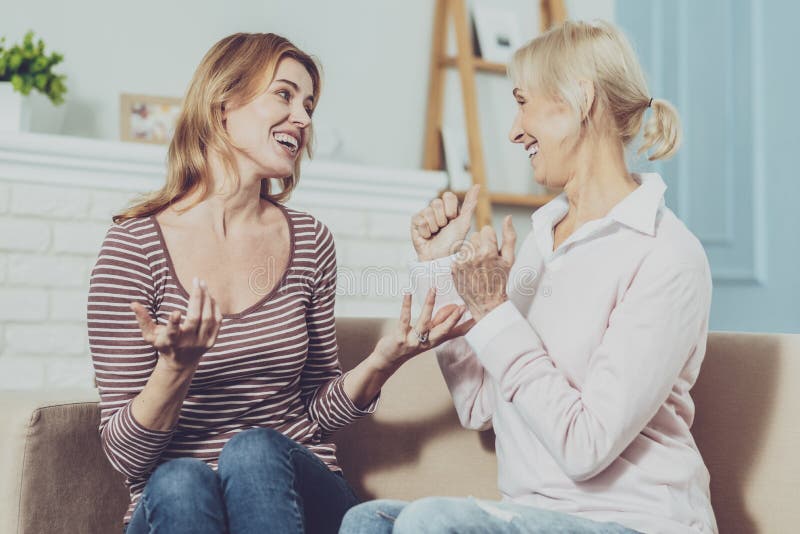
481 269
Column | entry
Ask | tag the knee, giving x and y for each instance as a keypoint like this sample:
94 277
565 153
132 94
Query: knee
431 514
372 516
255 447
182 482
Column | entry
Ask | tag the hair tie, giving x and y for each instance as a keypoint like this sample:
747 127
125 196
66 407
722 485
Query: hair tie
650 104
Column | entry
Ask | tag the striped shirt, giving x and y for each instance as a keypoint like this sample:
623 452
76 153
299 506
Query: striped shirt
273 365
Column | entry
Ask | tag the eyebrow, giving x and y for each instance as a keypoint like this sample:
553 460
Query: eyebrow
295 87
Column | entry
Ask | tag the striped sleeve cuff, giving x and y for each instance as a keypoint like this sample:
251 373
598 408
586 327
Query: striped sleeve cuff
156 436
333 409
131 448
354 411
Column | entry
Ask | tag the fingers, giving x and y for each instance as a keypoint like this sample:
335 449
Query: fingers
450 201
216 324
420 226
437 206
173 328
194 309
443 331
218 316
474 243
208 320
430 218
146 323
462 329
488 240
509 240
423 323
166 338
405 314
470 202
442 315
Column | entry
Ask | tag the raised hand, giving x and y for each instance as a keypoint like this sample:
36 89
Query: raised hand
481 270
181 345
406 341
438 230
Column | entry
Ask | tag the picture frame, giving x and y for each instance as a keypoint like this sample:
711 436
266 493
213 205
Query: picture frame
497 31
456 158
147 118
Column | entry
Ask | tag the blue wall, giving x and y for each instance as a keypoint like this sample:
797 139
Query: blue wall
731 69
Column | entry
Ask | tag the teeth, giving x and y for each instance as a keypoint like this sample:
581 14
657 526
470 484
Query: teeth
285 138
533 149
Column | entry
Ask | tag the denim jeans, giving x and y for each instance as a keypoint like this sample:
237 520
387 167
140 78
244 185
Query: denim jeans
442 515
265 482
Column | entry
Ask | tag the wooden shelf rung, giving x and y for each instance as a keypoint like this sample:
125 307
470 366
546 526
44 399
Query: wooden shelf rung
480 65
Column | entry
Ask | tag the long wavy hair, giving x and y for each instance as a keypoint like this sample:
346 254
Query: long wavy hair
236 69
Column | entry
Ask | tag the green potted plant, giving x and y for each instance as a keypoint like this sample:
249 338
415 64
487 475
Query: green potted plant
23 68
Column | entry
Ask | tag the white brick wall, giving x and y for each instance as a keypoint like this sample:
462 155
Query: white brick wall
26 234
48 338
68 304
23 304
46 270
21 373
49 201
53 220
106 204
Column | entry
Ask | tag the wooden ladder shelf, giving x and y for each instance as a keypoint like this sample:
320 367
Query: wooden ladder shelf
551 12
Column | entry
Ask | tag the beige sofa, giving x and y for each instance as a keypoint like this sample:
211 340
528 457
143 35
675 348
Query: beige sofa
55 478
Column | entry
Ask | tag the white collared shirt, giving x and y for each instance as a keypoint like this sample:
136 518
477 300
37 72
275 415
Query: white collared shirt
585 372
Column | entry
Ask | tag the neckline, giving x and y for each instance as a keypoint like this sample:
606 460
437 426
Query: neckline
182 290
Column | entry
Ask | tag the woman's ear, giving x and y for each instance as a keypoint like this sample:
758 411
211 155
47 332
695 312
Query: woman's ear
587 88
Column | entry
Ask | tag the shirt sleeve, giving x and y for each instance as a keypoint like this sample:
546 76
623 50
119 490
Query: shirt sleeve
122 359
473 394
322 381
651 335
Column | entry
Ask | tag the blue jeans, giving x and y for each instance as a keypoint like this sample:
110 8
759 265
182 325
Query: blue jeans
465 516
265 482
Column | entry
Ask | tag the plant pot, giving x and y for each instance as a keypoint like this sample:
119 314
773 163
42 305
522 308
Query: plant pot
15 110
45 118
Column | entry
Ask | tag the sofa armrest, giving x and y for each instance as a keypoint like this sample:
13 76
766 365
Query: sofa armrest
57 478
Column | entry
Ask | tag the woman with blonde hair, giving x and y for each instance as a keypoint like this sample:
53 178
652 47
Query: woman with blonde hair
219 409
587 340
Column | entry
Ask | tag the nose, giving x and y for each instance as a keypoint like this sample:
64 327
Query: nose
300 117
516 133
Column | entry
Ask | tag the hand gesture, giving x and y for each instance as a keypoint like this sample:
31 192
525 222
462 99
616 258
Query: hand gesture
480 272
438 230
406 341
181 345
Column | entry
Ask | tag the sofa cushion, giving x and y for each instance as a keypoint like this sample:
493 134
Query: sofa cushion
60 480
747 427
414 445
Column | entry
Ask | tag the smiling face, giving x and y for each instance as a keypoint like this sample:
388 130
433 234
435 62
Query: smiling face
270 131
545 128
